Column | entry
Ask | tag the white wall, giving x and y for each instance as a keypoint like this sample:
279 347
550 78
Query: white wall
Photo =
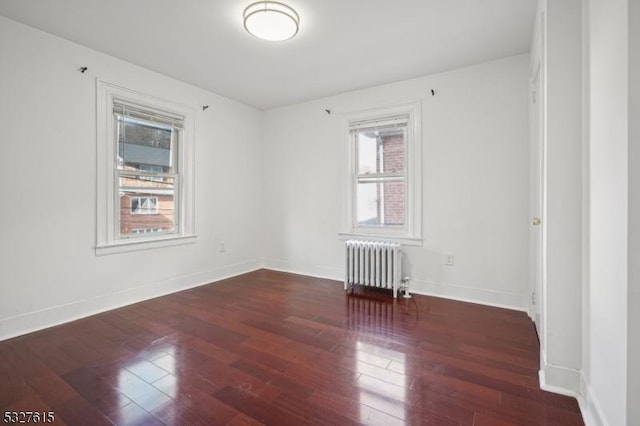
48 269
475 182
561 354
609 41
608 141
633 305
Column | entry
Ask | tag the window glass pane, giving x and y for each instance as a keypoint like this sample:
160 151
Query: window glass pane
146 207
146 146
380 203
151 169
381 150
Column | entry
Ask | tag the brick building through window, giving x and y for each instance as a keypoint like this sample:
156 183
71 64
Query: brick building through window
380 176
147 199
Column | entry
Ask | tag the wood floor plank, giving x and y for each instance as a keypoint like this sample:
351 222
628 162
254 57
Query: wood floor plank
312 414
263 411
282 349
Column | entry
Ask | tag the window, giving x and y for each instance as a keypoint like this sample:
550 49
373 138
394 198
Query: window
380 173
144 205
145 171
384 174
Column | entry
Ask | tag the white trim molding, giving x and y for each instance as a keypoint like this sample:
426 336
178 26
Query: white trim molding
573 383
411 232
311 270
589 406
498 299
558 379
107 232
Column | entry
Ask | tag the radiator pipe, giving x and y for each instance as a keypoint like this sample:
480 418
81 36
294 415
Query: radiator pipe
405 287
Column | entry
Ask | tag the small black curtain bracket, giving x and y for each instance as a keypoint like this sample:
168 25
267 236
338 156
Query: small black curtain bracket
328 111
204 107
83 69
433 92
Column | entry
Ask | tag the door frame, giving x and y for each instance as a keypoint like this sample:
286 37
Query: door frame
537 182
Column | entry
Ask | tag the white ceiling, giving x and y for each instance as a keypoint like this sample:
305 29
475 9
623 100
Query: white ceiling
342 45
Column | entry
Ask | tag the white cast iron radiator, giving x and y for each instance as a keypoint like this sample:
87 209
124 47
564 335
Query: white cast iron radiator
374 264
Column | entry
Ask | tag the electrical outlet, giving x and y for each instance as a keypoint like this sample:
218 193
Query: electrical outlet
449 260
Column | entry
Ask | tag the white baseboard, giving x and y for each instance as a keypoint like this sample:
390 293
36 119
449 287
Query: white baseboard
589 406
558 379
498 299
564 381
531 311
38 320
317 271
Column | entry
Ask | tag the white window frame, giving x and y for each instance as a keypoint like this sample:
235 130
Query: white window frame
108 239
411 232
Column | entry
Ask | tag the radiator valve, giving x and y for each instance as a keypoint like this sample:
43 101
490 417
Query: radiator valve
405 287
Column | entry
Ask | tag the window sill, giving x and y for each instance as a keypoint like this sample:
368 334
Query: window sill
406 241
144 244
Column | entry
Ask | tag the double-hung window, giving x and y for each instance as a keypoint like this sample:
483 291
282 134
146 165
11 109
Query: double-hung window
384 172
145 171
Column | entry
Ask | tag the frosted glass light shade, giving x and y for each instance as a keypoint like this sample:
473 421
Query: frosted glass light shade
271 21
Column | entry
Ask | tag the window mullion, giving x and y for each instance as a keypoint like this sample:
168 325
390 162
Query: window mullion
134 173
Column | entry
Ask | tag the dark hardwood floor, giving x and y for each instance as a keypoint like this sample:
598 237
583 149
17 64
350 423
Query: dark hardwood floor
281 349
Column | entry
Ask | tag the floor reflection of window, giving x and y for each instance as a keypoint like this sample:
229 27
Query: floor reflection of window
167 360
147 382
382 384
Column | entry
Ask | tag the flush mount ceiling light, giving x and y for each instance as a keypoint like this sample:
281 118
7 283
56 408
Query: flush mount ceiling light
270 20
